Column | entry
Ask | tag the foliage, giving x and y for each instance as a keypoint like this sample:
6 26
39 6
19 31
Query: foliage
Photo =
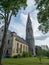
39 54
43 14
38 51
44 53
27 54
17 56
9 7
47 54
24 54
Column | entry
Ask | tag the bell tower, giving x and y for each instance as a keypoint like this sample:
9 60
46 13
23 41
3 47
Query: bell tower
29 36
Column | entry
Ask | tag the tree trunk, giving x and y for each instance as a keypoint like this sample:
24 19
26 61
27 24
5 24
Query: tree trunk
0 62
7 22
3 42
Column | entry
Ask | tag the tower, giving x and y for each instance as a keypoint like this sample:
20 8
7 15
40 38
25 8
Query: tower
29 36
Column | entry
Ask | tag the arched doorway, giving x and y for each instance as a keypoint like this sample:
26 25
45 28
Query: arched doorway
7 54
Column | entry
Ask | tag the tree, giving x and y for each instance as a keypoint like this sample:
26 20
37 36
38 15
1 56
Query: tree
39 54
7 9
47 54
43 14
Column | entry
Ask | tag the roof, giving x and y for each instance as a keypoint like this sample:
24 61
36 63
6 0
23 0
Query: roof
21 40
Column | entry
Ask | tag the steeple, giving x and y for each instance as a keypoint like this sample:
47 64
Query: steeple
28 19
29 35
28 16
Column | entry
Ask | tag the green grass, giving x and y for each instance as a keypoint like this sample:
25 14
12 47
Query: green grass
25 61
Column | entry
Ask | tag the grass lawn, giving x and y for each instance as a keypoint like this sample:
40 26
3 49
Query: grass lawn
25 61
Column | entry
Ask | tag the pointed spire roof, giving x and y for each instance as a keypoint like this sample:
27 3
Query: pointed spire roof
28 16
28 19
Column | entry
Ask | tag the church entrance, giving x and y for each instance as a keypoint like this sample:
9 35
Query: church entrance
7 54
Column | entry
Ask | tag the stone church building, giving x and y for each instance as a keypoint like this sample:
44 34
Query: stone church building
16 45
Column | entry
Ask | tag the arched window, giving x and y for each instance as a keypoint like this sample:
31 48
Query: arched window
8 41
21 48
7 52
26 48
17 47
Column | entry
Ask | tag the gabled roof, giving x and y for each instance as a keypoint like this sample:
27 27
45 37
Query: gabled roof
21 40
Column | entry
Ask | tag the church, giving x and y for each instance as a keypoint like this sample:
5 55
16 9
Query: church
16 45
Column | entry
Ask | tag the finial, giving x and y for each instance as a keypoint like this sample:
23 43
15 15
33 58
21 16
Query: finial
28 15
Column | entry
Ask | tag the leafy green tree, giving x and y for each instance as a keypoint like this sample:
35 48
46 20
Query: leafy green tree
39 54
47 54
44 53
43 14
7 9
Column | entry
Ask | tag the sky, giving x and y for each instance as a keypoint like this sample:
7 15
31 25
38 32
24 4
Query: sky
18 24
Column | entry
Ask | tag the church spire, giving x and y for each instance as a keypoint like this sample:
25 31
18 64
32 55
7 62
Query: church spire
28 19
28 16
30 36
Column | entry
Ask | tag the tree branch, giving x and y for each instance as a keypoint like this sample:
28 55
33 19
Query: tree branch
7 16
12 12
10 17
2 14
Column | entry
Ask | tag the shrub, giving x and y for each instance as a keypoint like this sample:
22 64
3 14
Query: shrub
19 56
15 56
47 54
30 54
26 54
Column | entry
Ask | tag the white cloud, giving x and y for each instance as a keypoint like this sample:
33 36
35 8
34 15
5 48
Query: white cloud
45 42
30 2
18 28
23 19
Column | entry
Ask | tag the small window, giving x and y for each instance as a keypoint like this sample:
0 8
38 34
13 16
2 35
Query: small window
11 35
26 48
8 41
21 48
2 30
0 40
17 47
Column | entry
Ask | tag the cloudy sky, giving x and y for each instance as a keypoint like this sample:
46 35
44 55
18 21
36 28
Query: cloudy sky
18 24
